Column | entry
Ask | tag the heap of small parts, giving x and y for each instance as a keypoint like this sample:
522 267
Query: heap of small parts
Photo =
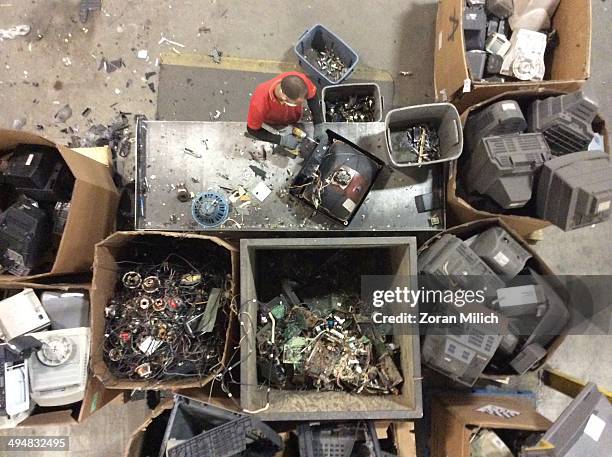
166 321
325 344
330 63
418 143
353 109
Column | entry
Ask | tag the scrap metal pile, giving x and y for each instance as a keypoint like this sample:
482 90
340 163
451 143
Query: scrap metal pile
324 344
351 109
167 320
330 63
418 143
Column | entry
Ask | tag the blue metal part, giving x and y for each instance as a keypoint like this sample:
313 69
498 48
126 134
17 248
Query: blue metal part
210 209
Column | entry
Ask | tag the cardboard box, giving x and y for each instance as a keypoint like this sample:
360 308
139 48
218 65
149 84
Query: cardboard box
96 396
567 67
402 434
460 211
467 230
136 441
103 289
455 419
93 207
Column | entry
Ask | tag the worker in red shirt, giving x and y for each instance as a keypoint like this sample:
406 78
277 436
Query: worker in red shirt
278 103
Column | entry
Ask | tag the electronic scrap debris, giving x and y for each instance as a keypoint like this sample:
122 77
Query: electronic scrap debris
36 188
354 108
508 42
417 144
324 345
336 178
538 157
168 320
529 309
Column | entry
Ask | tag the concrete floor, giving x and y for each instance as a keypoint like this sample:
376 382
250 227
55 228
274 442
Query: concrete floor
57 64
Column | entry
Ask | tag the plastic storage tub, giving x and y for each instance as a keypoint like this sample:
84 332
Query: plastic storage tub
344 91
443 116
318 38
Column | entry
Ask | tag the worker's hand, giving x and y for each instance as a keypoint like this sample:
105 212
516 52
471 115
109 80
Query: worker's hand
289 142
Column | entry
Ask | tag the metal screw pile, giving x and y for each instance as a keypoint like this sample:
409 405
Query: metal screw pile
329 62
419 141
356 109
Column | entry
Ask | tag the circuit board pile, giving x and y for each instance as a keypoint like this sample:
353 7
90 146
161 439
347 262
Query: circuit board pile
352 109
166 321
324 344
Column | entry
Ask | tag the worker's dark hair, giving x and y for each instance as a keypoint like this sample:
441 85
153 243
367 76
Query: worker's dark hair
294 87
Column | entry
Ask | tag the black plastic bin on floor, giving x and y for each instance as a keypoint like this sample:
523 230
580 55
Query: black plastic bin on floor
200 429
318 38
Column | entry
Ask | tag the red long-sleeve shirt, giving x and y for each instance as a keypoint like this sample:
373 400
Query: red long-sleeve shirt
265 108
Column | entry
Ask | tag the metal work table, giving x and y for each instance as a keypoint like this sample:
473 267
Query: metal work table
223 160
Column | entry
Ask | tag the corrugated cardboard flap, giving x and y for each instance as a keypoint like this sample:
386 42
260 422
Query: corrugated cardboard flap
464 409
87 169
11 138
96 396
135 442
450 69
55 418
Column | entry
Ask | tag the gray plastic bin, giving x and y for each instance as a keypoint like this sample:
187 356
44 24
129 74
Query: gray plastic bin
444 117
342 92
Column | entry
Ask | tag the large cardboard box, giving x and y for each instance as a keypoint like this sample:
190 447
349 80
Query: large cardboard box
93 207
469 229
460 211
567 67
103 289
455 419
96 396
